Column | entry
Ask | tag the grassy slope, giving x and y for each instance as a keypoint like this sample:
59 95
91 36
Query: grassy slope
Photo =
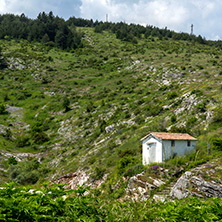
132 88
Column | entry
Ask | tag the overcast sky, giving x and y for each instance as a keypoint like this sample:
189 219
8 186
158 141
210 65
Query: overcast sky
177 15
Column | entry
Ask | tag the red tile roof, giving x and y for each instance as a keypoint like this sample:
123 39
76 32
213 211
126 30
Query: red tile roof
171 136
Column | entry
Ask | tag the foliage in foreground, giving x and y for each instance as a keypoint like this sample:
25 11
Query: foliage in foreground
57 204
48 204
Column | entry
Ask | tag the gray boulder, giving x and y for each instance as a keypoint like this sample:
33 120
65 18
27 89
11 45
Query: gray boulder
181 188
190 185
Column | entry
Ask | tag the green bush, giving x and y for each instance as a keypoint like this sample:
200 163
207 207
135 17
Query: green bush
126 152
98 173
12 160
40 138
124 162
180 129
24 172
173 119
55 203
217 143
134 170
2 108
191 121
172 95
198 92
217 117
66 104
201 107
22 141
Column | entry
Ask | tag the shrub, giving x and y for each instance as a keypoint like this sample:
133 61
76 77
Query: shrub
191 121
134 170
24 172
22 141
198 92
3 63
40 138
8 134
98 173
217 143
66 103
217 118
172 95
124 162
52 203
201 107
180 129
126 152
12 160
2 108
173 119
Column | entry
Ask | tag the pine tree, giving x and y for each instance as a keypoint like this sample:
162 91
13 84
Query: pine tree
3 63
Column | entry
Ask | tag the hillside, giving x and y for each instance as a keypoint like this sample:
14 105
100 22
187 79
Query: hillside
84 111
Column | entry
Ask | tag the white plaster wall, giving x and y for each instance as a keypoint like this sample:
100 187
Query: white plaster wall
146 154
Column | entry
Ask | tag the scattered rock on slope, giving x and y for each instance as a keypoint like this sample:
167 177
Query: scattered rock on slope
139 188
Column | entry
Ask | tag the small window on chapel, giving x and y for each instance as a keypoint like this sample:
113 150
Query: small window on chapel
188 142
172 143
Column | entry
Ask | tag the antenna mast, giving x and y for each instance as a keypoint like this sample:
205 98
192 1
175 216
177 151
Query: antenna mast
191 30
106 17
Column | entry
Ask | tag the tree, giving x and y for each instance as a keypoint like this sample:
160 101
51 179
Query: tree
45 38
200 39
98 29
3 63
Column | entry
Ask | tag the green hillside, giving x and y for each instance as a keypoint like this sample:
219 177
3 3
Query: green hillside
77 96
86 109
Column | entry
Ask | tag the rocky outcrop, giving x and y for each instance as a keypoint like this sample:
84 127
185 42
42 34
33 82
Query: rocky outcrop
79 178
19 156
181 189
139 189
73 180
209 189
191 185
202 181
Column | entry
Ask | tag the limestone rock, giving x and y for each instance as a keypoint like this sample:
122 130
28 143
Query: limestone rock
74 180
3 129
208 188
139 188
110 128
191 185
79 178
180 189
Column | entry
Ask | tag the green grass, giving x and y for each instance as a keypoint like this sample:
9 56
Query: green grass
108 82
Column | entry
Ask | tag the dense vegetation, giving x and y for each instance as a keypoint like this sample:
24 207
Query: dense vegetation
57 204
53 30
78 95
46 28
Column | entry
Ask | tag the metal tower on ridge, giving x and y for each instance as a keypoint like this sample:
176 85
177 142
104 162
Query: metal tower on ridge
191 30
106 17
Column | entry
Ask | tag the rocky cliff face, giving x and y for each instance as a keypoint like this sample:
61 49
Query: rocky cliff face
202 181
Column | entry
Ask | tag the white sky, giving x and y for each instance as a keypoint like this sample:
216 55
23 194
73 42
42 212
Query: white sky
177 15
